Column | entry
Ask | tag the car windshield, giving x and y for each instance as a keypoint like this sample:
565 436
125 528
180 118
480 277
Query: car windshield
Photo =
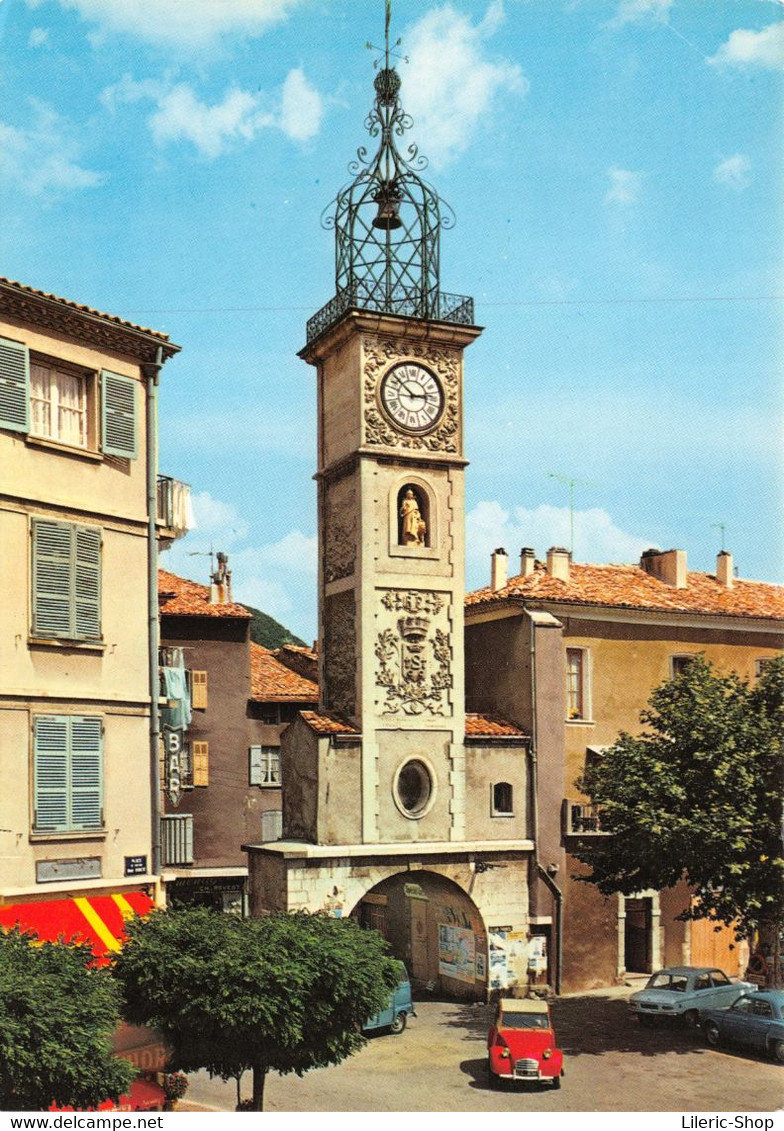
525 1021
664 980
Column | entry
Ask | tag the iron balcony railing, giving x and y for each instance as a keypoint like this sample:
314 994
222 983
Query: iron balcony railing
441 307
581 819
177 839
174 507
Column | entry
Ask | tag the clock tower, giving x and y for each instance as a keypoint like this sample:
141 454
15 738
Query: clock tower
384 780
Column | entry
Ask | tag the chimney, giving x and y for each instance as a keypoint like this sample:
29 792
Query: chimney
668 566
499 563
558 562
220 582
527 561
725 574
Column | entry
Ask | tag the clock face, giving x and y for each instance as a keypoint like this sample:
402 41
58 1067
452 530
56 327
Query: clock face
412 397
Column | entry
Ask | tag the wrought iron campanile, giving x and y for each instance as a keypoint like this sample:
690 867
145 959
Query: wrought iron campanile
388 222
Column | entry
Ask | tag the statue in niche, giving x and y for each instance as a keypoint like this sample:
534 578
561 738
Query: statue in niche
413 527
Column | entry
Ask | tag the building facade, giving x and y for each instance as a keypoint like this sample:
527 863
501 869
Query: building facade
79 525
224 702
571 653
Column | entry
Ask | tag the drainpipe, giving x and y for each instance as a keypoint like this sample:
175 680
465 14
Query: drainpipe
555 891
151 371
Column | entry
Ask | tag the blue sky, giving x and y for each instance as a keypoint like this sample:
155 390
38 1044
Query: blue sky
615 167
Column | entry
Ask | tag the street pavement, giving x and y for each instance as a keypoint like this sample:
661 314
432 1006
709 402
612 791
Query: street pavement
439 1064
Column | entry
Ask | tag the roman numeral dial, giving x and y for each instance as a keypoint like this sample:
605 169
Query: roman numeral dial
412 397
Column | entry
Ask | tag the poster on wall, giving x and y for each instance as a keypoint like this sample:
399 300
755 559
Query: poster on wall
456 953
499 974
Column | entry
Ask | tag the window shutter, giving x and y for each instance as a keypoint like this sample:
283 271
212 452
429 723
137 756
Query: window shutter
201 763
256 766
87 587
50 746
119 415
272 825
14 386
86 773
51 578
199 690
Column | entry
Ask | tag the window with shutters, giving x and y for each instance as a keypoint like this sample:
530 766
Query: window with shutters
66 581
198 681
67 773
272 825
201 763
50 399
265 765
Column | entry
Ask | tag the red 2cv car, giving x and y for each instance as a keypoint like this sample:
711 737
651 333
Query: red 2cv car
521 1043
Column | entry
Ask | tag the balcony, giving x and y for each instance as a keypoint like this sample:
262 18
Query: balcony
174 518
177 839
439 306
581 819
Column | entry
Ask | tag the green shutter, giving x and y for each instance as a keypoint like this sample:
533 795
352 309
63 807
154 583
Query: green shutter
86 772
87 584
50 743
52 572
119 415
14 386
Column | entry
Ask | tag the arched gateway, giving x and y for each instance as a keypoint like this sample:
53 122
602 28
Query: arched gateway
390 791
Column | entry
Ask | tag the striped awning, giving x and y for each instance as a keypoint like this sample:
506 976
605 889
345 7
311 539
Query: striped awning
98 920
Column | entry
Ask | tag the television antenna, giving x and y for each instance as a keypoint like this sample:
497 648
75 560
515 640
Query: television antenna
570 482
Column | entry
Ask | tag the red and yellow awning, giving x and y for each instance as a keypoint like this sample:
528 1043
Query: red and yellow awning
98 920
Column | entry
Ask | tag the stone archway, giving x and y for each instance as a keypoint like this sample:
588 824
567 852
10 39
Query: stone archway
435 928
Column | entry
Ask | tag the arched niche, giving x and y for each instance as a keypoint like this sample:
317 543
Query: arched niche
413 518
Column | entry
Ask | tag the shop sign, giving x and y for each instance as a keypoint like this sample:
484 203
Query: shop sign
414 891
172 746
80 868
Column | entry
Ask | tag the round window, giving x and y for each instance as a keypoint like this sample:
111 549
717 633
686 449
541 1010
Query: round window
414 788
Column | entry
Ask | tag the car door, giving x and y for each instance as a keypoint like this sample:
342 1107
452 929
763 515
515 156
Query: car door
724 991
734 1022
703 995
760 1022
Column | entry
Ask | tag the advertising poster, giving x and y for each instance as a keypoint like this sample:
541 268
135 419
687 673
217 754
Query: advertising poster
456 953
499 974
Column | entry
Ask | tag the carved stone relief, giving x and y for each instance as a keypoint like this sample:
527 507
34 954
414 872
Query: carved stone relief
340 534
414 653
340 653
380 353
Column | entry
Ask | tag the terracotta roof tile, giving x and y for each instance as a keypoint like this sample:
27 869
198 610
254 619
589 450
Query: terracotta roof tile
302 660
491 726
85 309
271 681
324 722
630 587
179 597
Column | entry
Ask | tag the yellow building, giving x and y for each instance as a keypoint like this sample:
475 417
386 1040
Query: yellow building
81 512
571 653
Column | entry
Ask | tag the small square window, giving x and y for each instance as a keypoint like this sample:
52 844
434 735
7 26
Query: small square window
680 664
503 797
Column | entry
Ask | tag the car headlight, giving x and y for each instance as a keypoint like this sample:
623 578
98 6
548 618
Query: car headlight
547 1054
505 1054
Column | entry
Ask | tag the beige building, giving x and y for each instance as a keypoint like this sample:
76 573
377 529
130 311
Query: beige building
81 510
571 653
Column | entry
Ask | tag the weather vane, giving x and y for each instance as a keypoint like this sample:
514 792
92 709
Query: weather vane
386 49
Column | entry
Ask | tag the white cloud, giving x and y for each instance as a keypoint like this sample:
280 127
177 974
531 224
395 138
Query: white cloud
182 116
38 37
181 24
44 159
214 519
625 187
734 172
597 538
745 47
632 11
450 86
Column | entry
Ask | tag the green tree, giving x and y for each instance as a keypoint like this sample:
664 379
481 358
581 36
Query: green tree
57 1016
698 794
283 992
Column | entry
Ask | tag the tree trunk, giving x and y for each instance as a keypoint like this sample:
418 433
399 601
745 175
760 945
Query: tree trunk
259 1076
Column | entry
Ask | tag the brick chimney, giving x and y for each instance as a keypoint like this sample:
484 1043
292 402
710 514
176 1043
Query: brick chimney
527 561
220 582
558 562
725 573
499 566
668 566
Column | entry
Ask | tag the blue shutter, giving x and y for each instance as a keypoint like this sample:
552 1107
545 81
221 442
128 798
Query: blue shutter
87 584
86 772
119 415
52 571
50 790
14 386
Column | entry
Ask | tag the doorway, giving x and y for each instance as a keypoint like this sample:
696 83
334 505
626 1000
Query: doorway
638 931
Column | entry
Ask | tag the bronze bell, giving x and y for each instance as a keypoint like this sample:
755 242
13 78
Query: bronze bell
388 200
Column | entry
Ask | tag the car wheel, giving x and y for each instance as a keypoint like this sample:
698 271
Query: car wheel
691 1019
556 1082
712 1034
399 1024
777 1050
